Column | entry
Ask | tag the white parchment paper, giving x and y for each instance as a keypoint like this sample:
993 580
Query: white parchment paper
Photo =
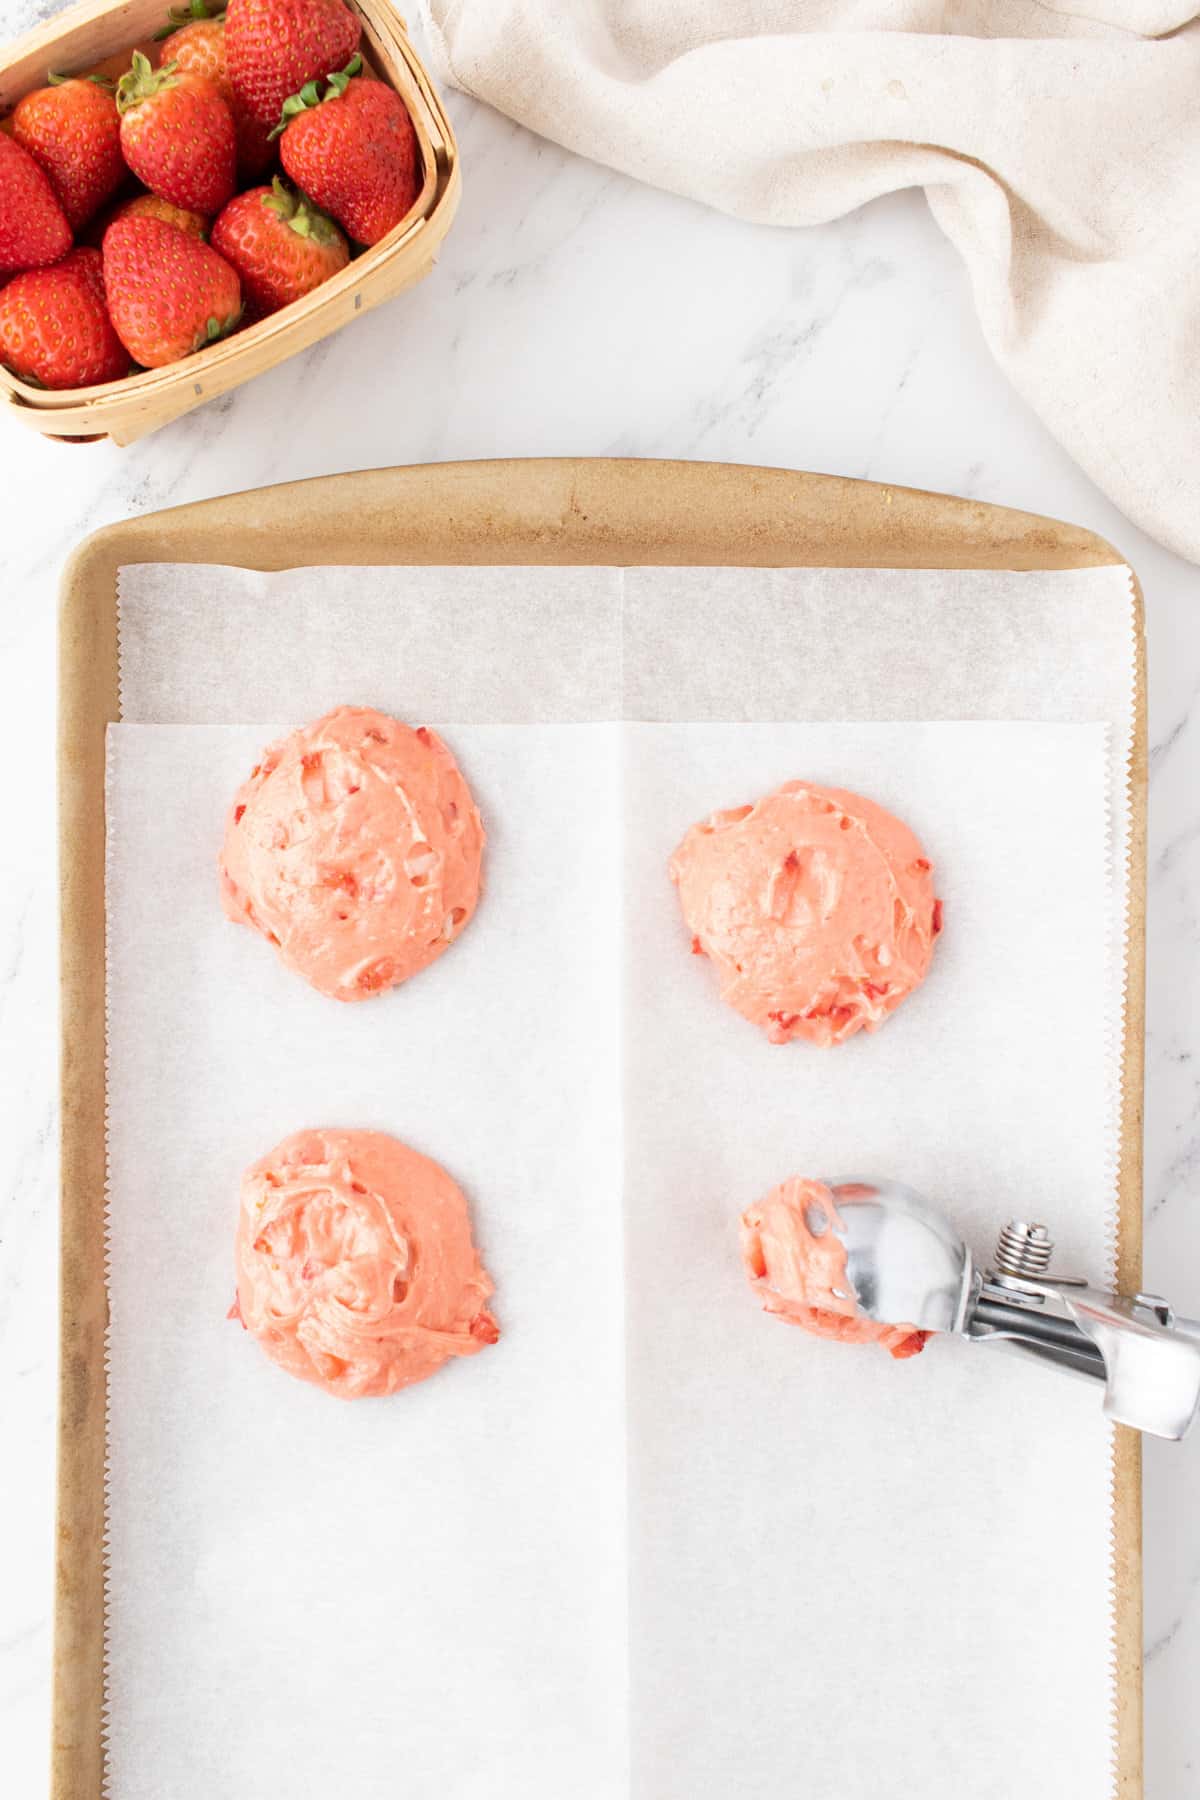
653 1543
840 1576
313 1598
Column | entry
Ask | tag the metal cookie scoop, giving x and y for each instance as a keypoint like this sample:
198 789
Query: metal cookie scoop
907 1265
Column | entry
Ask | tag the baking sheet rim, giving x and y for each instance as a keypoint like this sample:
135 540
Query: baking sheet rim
569 510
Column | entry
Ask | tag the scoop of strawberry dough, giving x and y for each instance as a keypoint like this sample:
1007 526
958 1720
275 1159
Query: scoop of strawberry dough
796 1262
815 906
355 849
355 1264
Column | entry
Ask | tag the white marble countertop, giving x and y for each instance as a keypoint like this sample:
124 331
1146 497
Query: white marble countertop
576 313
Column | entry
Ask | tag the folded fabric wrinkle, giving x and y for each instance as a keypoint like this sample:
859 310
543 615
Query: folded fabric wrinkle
1059 151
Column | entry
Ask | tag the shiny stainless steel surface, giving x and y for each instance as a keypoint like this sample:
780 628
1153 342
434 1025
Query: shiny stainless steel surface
908 1266
905 1261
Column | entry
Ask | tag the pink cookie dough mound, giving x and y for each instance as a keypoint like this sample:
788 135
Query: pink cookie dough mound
797 1265
356 1269
816 908
355 848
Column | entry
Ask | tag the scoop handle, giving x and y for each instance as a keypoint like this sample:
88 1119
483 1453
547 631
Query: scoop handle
1049 1338
1151 1358
1145 1358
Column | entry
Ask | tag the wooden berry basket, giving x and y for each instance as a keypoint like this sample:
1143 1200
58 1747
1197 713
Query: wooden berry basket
104 32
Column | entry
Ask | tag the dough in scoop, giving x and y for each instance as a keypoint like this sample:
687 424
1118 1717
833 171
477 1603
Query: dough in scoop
356 1269
797 1264
815 906
355 849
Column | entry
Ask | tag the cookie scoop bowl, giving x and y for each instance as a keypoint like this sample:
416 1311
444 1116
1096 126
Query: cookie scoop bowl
100 34
901 1259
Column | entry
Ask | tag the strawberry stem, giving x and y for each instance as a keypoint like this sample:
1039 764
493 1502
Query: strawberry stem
142 82
179 16
215 328
310 94
299 214
104 82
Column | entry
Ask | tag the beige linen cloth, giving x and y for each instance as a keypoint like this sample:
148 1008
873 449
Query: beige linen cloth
1058 147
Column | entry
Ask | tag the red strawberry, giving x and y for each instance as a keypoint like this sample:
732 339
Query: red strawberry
355 151
55 329
72 132
280 245
177 135
33 226
168 294
275 46
198 48
153 206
